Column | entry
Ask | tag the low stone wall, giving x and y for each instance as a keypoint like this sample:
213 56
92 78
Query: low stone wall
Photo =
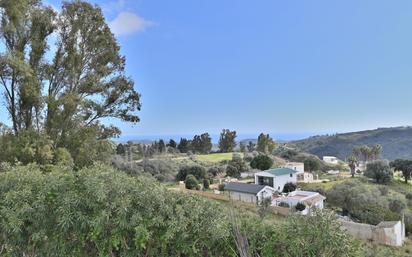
388 234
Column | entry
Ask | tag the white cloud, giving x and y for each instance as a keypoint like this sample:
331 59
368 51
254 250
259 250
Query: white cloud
127 23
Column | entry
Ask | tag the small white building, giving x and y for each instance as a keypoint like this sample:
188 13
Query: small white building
333 172
276 178
298 166
331 160
301 175
308 198
248 192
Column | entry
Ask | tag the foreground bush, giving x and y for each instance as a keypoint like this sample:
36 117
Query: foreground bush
319 235
102 212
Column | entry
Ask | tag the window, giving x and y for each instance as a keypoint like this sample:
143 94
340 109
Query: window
291 175
267 181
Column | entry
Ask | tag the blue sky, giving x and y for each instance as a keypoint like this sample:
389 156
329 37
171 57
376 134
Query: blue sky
273 66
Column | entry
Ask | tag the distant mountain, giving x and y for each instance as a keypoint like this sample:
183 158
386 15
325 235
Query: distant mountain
396 143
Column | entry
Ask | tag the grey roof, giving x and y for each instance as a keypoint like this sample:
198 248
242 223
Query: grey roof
244 188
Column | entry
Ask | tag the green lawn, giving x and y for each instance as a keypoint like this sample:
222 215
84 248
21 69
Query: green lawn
216 157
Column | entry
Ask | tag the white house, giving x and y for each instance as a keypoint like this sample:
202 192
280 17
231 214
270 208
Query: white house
330 160
276 178
298 166
248 192
310 199
301 175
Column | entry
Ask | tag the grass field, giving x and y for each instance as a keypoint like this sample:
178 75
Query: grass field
216 157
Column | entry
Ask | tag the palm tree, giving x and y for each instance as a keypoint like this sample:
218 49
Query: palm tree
353 162
376 151
366 153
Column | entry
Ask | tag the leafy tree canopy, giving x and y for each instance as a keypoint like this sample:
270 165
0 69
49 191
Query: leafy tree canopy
405 166
261 162
379 171
227 141
61 74
265 144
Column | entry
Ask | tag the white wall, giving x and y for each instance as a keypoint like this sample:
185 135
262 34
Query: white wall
266 193
298 166
280 181
251 198
237 196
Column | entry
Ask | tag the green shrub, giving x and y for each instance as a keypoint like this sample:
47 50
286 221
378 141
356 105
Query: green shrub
191 182
206 183
102 212
317 235
221 187
379 171
261 162
232 171
408 196
396 205
289 187
384 190
198 171
264 207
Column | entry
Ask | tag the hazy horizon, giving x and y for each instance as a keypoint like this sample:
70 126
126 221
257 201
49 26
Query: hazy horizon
240 136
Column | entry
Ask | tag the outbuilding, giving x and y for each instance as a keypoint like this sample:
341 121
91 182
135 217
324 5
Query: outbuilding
248 192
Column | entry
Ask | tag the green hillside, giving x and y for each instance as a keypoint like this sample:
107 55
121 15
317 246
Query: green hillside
396 143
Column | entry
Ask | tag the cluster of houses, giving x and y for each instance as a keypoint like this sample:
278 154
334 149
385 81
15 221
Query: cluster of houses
270 184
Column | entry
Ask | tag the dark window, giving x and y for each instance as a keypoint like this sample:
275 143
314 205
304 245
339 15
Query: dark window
266 181
291 175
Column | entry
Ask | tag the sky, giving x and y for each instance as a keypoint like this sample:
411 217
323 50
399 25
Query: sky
280 67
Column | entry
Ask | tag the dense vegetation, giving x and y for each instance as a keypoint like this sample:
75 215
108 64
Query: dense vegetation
367 201
102 212
396 143
99 211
